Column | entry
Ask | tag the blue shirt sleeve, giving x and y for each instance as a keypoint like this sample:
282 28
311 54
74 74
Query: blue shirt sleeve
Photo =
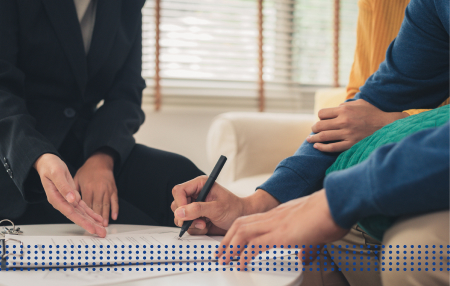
299 175
415 73
413 171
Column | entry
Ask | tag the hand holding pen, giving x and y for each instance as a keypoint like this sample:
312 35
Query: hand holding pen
205 190
212 216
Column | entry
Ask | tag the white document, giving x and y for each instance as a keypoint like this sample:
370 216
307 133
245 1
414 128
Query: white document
115 249
165 261
81 277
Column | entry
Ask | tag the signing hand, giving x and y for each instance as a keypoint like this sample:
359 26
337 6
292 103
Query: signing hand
95 181
214 216
63 196
219 211
304 221
348 124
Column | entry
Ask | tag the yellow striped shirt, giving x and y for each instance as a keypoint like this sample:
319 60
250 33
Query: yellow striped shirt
378 24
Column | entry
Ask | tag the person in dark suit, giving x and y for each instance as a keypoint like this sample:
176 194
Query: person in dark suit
65 158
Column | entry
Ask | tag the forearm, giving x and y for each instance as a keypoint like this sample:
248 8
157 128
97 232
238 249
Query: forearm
415 171
259 202
299 175
393 116
103 157
415 72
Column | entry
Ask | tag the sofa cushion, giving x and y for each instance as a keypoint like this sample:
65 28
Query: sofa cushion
247 186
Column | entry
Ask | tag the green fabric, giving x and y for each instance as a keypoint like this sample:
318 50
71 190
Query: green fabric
375 226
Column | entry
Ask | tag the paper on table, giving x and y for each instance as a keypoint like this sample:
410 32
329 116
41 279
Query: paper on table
266 274
117 249
273 253
84 277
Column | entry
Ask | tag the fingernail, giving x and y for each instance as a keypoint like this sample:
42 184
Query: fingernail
198 225
105 222
309 137
180 212
315 145
70 197
114 216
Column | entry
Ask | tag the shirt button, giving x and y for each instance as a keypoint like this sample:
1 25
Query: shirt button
10 173
6 165
69 112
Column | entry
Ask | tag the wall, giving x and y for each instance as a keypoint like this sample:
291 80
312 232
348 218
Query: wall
179 130
182 129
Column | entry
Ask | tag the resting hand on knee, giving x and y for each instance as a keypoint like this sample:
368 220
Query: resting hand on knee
348 124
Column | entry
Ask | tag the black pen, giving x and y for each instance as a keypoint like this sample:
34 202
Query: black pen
205 190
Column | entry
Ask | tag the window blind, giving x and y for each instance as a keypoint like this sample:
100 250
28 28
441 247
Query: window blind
210 48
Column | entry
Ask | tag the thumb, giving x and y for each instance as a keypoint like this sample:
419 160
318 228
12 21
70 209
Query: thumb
66 187
76 183
196 210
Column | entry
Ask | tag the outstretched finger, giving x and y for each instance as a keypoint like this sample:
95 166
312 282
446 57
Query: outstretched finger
105 210
82 209
258 245
88 197
240 222
77 186
326 136
114 205
333 147
70 210
328 113
325 125
243 236
97 202
98 218
67 190
99 228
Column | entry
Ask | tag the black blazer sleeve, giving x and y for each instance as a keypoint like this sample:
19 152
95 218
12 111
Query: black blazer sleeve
20 143
120 116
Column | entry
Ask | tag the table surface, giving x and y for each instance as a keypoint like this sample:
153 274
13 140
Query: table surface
218 278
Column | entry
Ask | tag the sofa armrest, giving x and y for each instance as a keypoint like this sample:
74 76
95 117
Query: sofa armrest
254 143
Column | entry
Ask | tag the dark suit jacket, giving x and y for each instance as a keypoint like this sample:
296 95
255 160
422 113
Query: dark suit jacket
48 85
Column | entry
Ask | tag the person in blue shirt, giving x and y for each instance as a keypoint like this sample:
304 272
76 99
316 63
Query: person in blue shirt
414 75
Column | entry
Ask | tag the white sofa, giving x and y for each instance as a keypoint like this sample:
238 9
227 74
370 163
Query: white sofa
255 143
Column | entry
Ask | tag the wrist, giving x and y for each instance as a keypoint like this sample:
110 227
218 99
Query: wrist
259 202
404 114
102 159
40 162
393 116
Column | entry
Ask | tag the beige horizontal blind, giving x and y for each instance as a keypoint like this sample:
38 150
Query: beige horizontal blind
313 41
347 38
210 48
